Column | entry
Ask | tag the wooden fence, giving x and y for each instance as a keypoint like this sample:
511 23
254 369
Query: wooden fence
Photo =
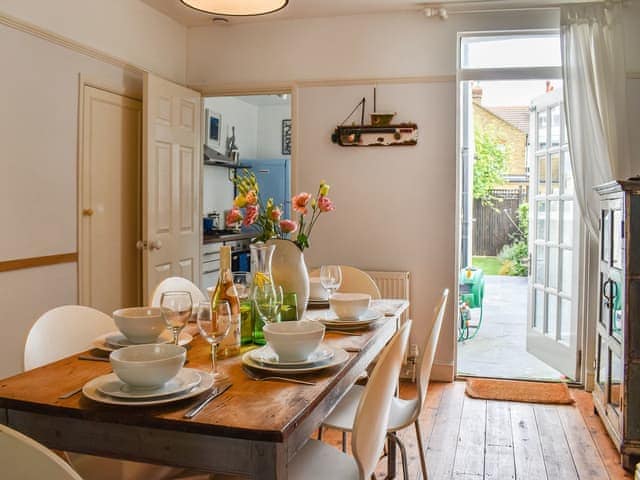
494 225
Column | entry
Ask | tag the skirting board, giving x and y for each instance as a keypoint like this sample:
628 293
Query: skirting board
443 372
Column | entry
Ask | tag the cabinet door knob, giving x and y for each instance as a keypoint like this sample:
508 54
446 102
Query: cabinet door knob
155 245
87 212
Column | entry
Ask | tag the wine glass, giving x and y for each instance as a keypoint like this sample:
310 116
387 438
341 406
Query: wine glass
176 311
268 301
214 320
330 277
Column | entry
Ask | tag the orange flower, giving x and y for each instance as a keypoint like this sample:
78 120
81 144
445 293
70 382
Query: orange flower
288 226
251 197
233 217
325 205
300 202
251 214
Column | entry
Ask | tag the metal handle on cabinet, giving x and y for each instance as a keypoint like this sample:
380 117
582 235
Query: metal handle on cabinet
211 271
87 212
206 254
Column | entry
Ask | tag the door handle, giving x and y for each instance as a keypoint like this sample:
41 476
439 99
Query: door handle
87 212
152 245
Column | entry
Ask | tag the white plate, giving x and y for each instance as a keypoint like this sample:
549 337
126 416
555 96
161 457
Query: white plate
318 300
329 318
186 379
266 356
91 391
108 341
339 357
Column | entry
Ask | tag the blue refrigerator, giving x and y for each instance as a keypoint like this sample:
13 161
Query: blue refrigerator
275 181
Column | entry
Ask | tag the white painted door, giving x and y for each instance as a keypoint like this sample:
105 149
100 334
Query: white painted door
109 219
552 333
170 183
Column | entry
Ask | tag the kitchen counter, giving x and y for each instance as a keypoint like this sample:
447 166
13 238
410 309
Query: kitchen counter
227 237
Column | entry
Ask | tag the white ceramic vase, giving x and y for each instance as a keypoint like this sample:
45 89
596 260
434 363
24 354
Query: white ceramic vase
289 270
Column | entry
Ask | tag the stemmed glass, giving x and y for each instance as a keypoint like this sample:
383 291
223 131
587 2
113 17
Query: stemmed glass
330 277
213 322
176 311
268 301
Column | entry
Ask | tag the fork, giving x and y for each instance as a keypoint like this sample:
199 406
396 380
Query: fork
258 378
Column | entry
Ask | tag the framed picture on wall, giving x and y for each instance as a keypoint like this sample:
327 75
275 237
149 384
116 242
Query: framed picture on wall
286 136
213 128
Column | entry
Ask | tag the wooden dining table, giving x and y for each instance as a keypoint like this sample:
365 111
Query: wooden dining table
254 429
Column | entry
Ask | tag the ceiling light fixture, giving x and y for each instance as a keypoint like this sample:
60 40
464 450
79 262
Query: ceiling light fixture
236 7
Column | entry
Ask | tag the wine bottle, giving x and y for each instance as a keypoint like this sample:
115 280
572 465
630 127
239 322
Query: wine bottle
226 290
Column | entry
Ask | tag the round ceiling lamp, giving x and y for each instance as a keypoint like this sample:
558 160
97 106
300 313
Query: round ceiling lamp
236 7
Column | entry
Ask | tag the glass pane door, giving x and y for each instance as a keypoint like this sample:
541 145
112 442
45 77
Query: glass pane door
552 327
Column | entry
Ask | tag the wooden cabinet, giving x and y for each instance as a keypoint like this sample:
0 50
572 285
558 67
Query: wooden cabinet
617 390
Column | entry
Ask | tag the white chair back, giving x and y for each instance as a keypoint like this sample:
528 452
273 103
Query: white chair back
372 415
355 280
64 331
23 458
429 351
173 284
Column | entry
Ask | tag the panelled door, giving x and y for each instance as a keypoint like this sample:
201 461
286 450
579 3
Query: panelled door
552 333
109 221
170 183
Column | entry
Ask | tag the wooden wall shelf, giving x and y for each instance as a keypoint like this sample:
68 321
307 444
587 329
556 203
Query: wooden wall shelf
399 135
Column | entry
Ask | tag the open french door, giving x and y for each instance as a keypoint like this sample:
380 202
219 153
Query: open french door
552 333
170 183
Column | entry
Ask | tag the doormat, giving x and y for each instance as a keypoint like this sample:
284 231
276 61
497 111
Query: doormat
518 391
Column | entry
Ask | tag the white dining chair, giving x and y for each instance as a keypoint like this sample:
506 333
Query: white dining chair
63 331
22 458
354 280
404 412
179 284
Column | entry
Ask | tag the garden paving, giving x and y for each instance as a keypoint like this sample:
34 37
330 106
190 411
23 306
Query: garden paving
500 347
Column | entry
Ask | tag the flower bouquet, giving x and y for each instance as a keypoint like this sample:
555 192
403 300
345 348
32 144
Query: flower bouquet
266 217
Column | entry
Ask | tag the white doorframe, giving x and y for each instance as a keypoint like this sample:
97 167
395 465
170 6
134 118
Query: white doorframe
514 73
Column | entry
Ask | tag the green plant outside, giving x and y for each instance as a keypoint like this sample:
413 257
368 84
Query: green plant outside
515 256
489 167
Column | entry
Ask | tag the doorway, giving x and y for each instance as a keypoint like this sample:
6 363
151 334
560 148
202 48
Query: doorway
518 218
243 133
109 198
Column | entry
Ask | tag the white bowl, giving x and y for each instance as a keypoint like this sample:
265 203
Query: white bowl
349 305
140 324
316 290
294 341
148 366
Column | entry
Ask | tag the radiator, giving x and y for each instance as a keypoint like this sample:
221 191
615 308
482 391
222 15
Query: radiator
393 285
396 285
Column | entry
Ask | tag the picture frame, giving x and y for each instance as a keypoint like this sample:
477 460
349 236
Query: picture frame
213 128
286 136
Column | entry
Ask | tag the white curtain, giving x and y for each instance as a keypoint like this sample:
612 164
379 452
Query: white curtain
594 96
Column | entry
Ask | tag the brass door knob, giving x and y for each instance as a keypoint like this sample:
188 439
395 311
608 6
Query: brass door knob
87 212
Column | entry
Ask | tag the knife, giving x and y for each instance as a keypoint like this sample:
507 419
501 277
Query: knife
212 396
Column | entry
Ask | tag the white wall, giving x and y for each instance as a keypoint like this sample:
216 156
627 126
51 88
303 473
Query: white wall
217 191
395 206
269 144
38 180
127 29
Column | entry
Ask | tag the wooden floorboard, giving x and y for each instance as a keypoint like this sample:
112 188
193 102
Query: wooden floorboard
473 439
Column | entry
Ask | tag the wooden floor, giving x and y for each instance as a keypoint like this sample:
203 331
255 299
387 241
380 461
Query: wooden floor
477 439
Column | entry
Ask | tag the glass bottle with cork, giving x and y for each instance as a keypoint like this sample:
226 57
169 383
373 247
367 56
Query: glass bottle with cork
226 290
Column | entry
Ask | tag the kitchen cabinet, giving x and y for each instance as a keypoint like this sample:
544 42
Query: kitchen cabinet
616 393
210 265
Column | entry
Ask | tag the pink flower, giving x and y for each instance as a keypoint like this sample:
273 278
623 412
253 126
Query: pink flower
325 204
288 226
300 202
251 214
276 214
233 217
